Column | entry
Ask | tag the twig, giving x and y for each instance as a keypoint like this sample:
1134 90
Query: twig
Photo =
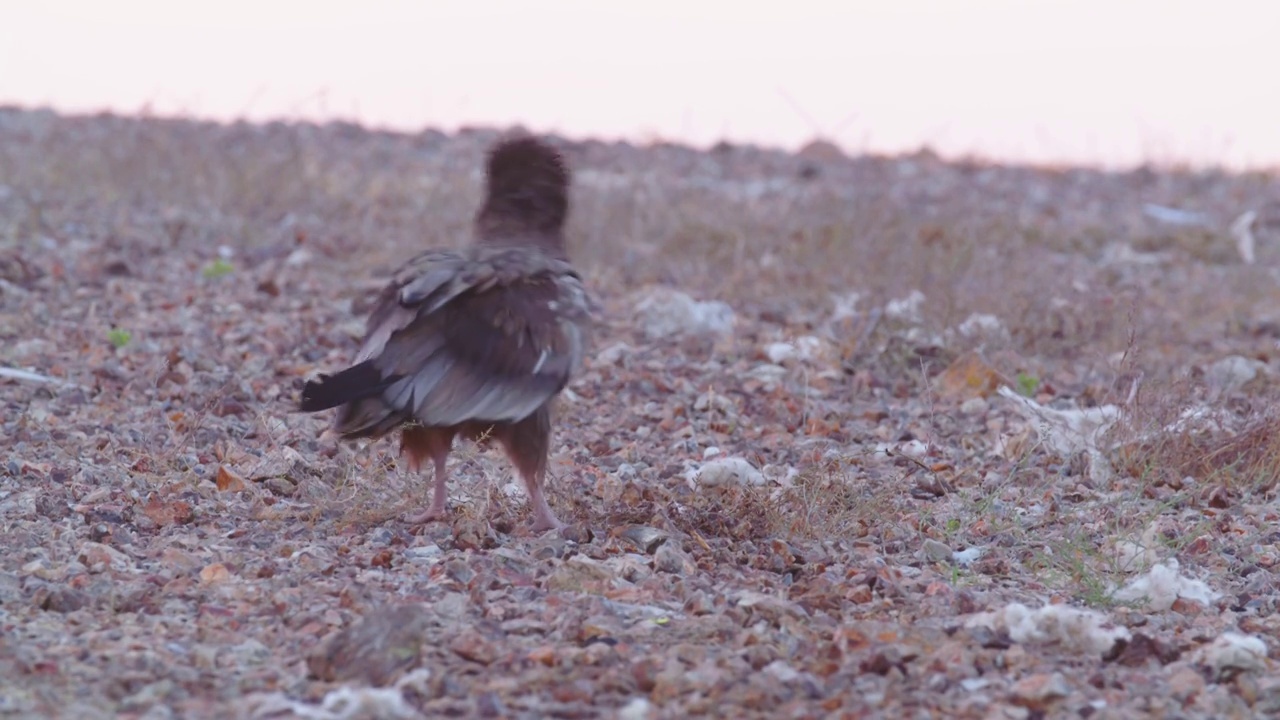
917 461
872 323
16 374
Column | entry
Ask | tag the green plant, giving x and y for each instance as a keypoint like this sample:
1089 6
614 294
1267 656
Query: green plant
119 337
1028 384
218 268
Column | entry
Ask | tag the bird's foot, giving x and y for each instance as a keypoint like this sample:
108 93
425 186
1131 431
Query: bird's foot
543 523
430 515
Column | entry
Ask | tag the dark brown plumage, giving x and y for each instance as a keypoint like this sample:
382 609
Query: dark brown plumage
475 342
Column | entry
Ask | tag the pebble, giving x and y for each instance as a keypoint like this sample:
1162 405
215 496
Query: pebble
1040 690
637 709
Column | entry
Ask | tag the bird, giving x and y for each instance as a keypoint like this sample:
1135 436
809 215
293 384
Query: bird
476 342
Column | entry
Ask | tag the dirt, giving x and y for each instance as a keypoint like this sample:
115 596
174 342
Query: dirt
796 489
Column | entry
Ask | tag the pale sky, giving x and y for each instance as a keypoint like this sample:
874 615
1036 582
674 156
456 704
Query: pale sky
1111 82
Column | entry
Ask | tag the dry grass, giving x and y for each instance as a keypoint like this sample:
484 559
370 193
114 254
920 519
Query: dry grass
189 276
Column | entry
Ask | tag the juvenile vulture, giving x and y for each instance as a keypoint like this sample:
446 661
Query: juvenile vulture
476 342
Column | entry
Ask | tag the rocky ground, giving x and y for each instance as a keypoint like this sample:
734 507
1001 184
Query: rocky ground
872 437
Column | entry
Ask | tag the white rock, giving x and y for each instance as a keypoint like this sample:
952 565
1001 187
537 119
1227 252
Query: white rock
1175 216
983 326
637 708
905 309
1130 555
612 354
1231 373
1233 651
725 470
32 346
781 352
1162 585
844 306
935 551
299 257
1082 630
782 671
767 373
1242 231
663 312
1067 432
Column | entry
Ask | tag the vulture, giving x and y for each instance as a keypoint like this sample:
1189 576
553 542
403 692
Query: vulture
475 342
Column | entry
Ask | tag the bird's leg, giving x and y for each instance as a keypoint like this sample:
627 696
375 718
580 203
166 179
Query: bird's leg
527 444
420 443
544 518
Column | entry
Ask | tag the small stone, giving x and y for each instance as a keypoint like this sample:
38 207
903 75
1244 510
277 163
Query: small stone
63 600
1232 653
10 588
670 559
860 594
782 671
580 574
637 709
284 487
975 406
167 511
935 551
664 312
578 533
428 554
1231 373
1040 690
1267 691
374 649
459 571
214 573
885 659
41 569
99 558
180 560
726 470
489 705
646 539
596 628
1186 683
148 695
769 607
471 645
1139 649
473 534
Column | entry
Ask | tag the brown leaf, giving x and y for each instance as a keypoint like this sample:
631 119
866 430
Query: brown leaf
969 376
229 481
215 573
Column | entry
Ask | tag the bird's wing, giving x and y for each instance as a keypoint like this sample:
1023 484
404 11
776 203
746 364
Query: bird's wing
485 334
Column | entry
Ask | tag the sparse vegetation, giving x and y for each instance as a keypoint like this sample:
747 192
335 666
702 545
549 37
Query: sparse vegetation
175 536
119 337
218 268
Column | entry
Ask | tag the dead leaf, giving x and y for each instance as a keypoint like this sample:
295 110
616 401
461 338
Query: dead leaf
229 481
968 376
215 573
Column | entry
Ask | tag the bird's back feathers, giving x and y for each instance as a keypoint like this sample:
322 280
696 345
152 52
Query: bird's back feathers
489 333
